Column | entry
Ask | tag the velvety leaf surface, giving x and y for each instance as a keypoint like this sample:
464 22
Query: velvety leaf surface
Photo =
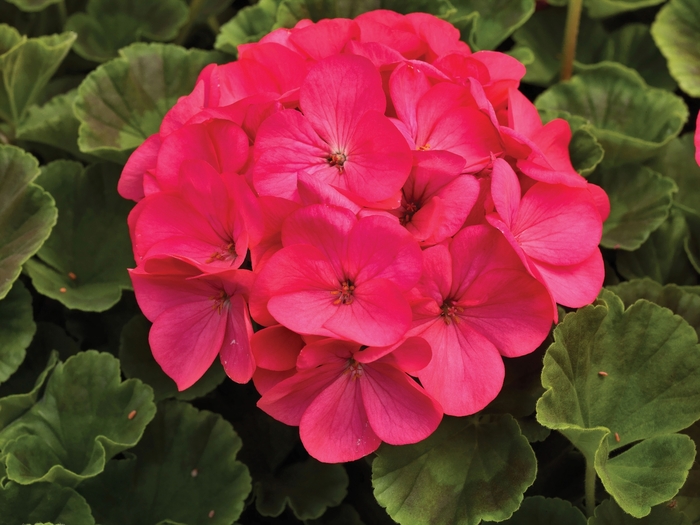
546 511
631 120
585 151
290 12
609 513
440 8
123 101
309 488
677 33
81 421
83 263
183 468
630 45
606 8
662 257
471 469
27 213
109 25
26 68
16 330
673 297
688 498
484 24
651 390
249 25
640 201
137 361
20 505
54 124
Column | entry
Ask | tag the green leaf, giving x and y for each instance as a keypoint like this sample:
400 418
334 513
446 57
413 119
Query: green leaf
249 25
470 469
33 5
440 8
184 471
27 213
546 511
81 421
290 12
54 124
484 24
109 25
16 330
309 488
83 263
609 513
662 257
688 499
137 362
123 101
201 10
606 8
677 161
640 201
21 505
651 389
585 151
677 33
630 45
342 515
673 297
26 68
631 120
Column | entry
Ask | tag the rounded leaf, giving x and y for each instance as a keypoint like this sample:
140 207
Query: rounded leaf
16 330
43 502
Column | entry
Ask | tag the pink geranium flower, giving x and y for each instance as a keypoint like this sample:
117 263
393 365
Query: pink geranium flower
347 401
195 318
340 277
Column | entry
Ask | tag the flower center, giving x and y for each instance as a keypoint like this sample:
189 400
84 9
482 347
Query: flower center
410 208
354 369
344 293
424 147
228 251
450 312
220 301
338 160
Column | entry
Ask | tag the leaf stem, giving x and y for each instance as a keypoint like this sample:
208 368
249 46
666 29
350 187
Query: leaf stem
62 12
573 20
590 487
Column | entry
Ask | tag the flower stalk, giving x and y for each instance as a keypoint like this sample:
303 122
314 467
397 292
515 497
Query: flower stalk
573 21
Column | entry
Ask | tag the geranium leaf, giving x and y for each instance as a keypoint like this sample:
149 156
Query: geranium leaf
662 257
123 101
137 361
309 488
647 397
631 120
26 65
290 12
640 201
606 8
342 515
484 24
184 470
20 505
440 8
202 9
677 33
428 483
27 213
109 25
249 25
688 499
83 263
677 161
673 297
609 513
692 242
86 416
630 45
546 511
16 330
585 151
33 5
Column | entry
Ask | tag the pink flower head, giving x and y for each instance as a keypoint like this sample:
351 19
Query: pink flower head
340 277
342 137
275 350
347 401
475 302
195 318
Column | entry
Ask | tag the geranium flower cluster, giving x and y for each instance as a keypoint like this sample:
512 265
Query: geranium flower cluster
384 203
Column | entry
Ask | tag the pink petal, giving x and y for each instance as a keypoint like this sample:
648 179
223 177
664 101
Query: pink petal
264 379
326 351
441 36
577 285
399 411
236 355
601 200
276 348
311 190
522 114
374 27
407 85
411 356
505 191
436 280
141 160
326 38
286 67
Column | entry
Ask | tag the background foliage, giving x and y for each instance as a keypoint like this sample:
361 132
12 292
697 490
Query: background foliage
92 431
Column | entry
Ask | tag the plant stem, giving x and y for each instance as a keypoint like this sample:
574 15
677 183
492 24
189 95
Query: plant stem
62 12
195 7
590 487
573 20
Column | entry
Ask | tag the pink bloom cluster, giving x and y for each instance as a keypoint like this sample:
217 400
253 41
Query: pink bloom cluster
405 218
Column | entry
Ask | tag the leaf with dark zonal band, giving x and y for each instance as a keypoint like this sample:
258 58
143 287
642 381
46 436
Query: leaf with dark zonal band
640 201
21 505
123 101
86 416
16 329
27 213
649 389
470 469
631 120
84 262
249 25
184 470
